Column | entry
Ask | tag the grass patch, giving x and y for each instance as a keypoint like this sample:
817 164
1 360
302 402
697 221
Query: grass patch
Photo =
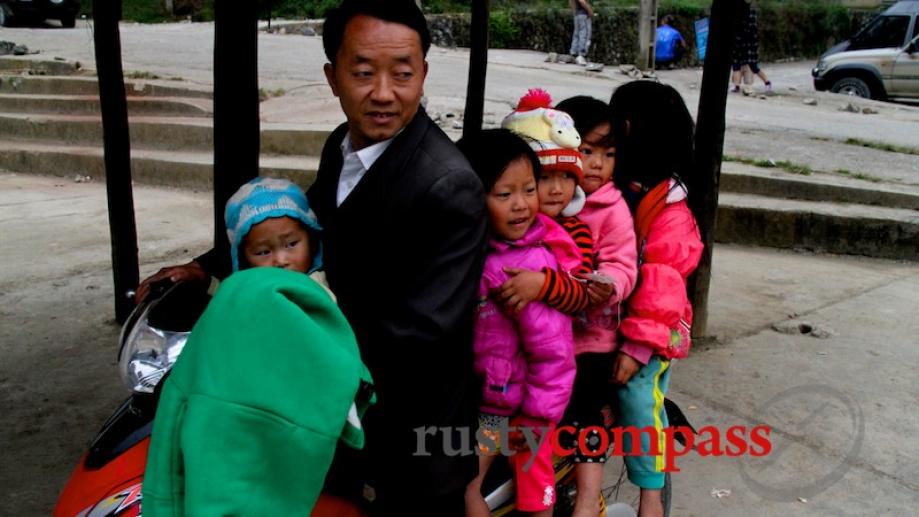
749 161
866 177
858 175
794 168
141 75
881 146
264 95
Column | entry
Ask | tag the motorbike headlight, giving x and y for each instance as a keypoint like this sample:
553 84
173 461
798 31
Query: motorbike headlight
147 354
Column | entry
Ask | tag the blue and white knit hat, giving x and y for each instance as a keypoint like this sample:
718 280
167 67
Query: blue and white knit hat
267 198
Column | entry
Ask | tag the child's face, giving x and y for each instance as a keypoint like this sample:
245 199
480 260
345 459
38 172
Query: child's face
278 242
598 157
513 201
556 188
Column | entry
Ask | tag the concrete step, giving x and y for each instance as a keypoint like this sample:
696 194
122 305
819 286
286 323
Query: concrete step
842 228
164 133
747 179
87 104
75 85
41 67
153 167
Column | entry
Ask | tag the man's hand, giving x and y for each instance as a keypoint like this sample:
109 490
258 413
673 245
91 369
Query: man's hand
191 272
521 288
624 367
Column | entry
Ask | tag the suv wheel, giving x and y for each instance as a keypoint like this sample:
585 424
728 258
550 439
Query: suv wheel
852 86
69 22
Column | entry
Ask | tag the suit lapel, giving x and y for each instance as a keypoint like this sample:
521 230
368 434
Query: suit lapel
384 173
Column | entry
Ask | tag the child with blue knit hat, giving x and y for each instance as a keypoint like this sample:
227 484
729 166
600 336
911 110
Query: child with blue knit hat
270 224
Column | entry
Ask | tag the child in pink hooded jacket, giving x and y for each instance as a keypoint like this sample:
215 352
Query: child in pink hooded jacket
655 134
525 359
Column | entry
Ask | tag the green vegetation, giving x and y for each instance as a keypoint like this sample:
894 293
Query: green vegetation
264 95
881 146
749 161
794 168
141 75
858 175
866 177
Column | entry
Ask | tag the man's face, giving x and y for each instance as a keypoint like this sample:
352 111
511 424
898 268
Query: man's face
378 76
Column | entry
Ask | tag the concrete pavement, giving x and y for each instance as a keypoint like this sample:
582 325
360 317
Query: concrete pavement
58 379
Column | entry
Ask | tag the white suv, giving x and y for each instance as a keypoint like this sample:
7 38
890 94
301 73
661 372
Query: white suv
881 61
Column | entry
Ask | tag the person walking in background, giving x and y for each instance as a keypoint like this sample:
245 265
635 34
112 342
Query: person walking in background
746 50
580 39
669 45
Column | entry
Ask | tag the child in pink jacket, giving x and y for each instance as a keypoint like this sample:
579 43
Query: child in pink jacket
655 154
525 359
596 330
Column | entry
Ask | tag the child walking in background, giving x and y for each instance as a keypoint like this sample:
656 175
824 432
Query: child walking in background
657 327
524 359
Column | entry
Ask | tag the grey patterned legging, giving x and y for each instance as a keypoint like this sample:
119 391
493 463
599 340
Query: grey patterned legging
580 40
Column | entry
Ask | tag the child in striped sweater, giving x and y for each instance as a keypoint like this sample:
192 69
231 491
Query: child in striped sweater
603 220
560 199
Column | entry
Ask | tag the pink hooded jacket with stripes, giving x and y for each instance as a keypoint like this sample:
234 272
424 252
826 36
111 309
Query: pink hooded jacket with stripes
616 255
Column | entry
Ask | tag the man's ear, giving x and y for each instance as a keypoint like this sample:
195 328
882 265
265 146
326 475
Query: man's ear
330 77
424 73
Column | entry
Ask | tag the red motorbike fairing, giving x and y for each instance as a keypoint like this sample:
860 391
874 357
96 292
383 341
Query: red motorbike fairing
113 490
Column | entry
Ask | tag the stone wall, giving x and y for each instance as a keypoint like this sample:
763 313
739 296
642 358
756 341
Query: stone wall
787 31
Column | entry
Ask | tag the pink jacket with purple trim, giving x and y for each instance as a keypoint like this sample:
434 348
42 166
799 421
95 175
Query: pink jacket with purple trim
610 222
659 312
526 360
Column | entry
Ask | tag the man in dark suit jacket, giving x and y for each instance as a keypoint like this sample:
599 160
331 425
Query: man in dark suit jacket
404 231
404 224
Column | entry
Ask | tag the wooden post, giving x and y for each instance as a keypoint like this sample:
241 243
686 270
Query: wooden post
236 122
647 26
709 145
478 64
117 149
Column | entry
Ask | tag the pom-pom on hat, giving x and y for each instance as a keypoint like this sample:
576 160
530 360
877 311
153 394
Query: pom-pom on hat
267 198
551 132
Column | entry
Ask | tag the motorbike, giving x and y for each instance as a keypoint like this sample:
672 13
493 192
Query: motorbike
108 478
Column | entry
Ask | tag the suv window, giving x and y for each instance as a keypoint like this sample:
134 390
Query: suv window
882 32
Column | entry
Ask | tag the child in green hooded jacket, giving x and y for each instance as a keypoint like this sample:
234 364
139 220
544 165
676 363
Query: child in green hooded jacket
269 381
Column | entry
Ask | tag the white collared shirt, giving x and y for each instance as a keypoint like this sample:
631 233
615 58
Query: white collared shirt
355 164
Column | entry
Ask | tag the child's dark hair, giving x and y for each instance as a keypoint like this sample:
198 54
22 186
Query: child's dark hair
492 150
655 134
404 12
588 113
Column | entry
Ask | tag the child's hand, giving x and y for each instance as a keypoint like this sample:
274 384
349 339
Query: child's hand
599 293
624 367
600 287
521 288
